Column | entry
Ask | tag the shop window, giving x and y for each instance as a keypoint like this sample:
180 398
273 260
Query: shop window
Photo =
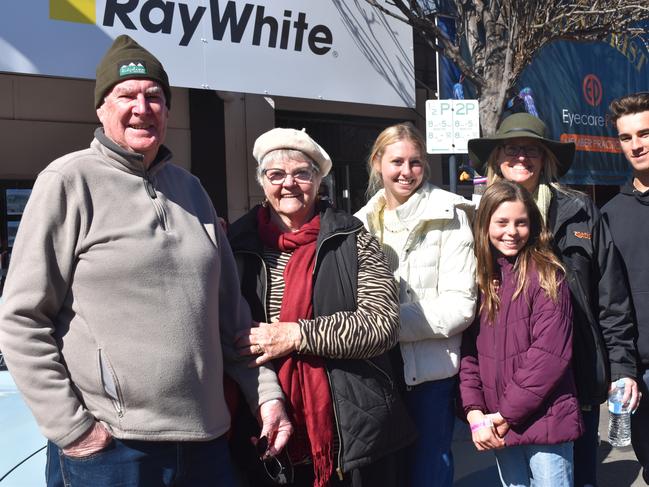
13 198
348 141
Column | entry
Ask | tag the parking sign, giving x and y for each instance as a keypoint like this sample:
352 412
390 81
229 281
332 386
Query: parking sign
450 124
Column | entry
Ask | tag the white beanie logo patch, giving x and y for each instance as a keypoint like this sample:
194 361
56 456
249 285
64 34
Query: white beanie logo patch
133 67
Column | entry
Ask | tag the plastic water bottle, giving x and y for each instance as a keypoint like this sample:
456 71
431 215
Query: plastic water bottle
619 418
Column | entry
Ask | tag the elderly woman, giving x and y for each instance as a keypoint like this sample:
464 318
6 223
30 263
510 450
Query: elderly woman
521 151
328 313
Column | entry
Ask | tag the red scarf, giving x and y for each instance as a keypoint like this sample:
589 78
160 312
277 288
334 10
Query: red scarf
303 377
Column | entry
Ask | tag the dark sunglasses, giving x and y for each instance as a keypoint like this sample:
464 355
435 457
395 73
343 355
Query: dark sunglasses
278 468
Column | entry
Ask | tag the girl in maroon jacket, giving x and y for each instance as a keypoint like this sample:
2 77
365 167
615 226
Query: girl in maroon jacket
516 381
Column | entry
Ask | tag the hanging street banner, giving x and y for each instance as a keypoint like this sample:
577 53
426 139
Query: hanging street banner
573 85
448 74
341 50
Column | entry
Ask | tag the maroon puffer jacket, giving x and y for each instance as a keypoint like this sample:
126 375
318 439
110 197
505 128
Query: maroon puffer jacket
521 365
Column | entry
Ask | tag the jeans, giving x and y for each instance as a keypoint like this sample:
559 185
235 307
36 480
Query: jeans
640 427
535 465
430 405
133 463
585 449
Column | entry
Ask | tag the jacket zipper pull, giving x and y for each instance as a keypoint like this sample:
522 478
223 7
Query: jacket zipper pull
149 188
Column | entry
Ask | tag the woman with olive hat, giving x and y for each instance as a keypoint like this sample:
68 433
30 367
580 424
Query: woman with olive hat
603 348
328 309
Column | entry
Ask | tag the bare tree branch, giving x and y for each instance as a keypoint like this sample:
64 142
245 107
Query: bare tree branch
502 37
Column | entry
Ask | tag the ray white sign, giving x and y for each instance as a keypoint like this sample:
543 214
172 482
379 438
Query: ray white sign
342 50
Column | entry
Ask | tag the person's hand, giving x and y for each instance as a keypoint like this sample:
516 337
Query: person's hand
632 394
501 425
275 426
95 439
483 432
268 341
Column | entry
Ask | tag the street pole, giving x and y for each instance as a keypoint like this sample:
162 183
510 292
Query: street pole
452 174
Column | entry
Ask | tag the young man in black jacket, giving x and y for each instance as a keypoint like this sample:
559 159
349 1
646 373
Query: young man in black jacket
628 215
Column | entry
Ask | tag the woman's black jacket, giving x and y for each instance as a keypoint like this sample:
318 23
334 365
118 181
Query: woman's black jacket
604 329
370 416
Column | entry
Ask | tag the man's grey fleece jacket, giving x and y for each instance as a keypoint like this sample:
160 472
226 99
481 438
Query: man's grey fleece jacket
121 297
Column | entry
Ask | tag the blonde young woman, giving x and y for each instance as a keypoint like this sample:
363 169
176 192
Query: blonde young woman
426 235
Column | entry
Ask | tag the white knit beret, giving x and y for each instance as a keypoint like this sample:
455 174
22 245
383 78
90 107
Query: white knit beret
280 138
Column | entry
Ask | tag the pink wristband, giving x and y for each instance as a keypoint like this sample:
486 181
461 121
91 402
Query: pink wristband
485 423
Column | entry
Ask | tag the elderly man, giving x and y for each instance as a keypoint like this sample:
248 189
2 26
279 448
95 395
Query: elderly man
122 302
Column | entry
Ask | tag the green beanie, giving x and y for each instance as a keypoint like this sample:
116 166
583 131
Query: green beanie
126 59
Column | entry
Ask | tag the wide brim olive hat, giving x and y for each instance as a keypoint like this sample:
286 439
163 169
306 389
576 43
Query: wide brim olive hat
126 59
521 125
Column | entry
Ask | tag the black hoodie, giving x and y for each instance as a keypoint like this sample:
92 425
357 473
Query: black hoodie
627 215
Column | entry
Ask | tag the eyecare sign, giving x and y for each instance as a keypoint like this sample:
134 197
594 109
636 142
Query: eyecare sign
342 50
450 124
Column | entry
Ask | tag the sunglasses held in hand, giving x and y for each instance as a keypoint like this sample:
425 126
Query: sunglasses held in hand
278 468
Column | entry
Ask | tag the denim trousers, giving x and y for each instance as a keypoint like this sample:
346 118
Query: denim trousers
431 407
585 449
640 427
132 463
536 465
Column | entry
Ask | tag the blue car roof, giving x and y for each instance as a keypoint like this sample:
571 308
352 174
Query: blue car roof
19 439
